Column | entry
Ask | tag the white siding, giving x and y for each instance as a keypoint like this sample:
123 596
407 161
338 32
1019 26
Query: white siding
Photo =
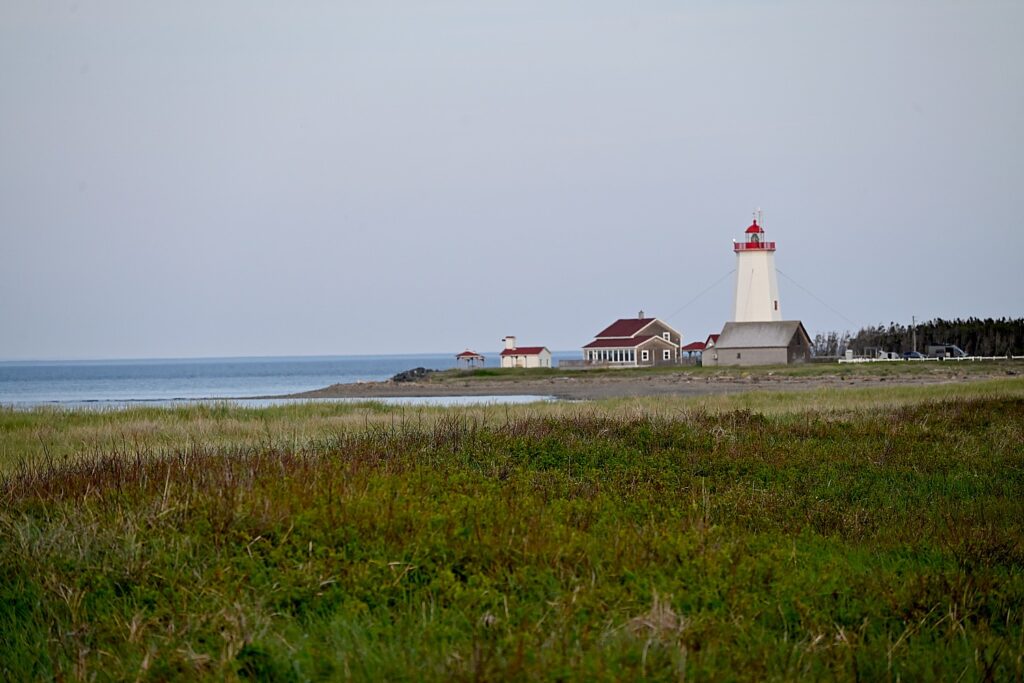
537 360
757 287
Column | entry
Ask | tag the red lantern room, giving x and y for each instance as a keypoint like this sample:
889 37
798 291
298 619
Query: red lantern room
755 240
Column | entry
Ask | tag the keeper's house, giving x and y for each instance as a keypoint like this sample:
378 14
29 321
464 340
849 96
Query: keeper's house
634 342
759 343
524 356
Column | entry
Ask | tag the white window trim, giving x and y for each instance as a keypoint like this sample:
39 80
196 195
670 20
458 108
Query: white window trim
666 354
645 355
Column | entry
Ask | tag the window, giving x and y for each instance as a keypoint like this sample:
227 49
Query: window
737 356
667 336
645 355
776 304
666 354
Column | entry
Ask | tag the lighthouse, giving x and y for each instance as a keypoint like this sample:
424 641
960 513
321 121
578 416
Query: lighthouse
757 286
757 334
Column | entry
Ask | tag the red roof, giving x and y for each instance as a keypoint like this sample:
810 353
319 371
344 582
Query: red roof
524 351
625 327
629 343
754 227
712 338
693 346
469 354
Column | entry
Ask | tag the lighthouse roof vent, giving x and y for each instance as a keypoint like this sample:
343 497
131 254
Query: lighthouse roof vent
754 228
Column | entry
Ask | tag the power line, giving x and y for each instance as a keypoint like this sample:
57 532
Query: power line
816 298
700 294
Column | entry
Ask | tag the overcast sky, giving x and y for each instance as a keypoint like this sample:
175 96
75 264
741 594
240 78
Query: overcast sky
250 178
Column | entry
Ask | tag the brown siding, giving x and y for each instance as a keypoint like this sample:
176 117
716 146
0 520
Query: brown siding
657 328
656 346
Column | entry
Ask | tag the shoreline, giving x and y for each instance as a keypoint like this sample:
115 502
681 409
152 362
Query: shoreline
608 385
593 385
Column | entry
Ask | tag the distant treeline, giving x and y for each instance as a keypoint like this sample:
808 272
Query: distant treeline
978 337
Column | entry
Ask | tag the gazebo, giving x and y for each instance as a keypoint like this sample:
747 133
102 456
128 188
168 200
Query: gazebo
469 359
692 351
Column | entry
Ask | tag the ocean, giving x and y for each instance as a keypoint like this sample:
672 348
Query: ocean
116 383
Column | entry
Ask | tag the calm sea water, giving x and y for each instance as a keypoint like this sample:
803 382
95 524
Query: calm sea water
117 382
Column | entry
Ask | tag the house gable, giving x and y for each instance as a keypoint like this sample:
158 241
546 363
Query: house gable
659 328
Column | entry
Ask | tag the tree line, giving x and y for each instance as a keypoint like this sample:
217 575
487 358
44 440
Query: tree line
976 336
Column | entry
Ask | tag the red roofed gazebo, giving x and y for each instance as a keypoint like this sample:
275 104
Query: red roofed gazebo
692 351
469 359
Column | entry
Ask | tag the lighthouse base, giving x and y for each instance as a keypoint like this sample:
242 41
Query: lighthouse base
760 343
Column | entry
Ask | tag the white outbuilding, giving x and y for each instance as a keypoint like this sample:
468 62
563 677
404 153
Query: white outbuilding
524 356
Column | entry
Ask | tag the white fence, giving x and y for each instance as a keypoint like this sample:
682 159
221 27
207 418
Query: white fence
921 360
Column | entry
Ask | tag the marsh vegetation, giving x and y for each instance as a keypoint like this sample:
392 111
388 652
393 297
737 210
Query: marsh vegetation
871 534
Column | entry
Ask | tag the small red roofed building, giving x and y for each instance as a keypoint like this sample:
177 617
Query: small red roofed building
524 356
691 353
469 359
634 342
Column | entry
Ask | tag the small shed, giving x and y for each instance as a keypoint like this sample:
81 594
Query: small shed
469 359
760 343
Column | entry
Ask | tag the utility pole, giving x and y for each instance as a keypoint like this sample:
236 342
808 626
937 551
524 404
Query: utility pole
913 333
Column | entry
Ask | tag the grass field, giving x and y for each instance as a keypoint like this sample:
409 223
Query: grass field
870 534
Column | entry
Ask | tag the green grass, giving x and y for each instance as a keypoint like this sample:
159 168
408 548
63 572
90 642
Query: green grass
867 534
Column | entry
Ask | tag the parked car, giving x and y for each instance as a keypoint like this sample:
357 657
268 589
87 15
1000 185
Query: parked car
908 355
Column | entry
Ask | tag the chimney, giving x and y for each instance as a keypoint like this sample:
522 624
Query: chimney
510 342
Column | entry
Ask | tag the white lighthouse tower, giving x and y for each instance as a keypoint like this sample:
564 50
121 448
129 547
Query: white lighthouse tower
757 286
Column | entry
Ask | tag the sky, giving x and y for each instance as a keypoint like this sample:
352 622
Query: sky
240 178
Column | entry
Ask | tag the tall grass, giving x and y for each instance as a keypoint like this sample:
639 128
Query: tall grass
577 543
54 435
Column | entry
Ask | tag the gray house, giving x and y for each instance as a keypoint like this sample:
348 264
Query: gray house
760 343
